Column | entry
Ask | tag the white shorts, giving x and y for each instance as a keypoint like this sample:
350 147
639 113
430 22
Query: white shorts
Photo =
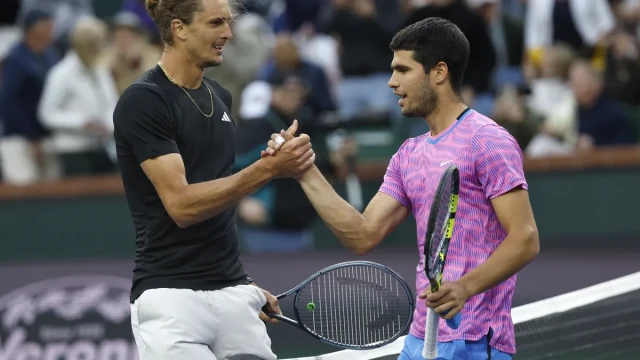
176 324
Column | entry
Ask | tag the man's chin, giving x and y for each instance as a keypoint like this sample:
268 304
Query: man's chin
212 63
410 113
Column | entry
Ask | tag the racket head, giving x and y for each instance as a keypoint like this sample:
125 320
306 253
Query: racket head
440 225
356 305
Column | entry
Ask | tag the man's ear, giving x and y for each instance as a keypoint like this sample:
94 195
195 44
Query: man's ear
178 29
440 73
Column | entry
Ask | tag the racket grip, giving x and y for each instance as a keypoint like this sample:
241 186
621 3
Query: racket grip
430 350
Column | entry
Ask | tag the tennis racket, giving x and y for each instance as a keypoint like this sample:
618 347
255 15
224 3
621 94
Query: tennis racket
353 305
439 232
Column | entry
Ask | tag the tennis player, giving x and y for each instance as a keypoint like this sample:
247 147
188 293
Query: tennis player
495 234
191 297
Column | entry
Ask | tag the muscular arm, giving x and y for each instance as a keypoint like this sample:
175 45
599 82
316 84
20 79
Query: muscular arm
498 166
189 204
518 249
143 127
356 231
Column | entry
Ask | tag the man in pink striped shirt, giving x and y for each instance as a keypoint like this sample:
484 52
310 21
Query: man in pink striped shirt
495 234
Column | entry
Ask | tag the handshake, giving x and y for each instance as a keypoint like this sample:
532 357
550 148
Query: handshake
287 155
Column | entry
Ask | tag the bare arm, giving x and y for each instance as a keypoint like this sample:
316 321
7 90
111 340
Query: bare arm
356 231
188 204
518 249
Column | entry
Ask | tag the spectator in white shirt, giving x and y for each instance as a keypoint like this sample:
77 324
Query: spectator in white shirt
78 102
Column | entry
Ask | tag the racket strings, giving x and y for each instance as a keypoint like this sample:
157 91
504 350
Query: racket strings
440 227
358 305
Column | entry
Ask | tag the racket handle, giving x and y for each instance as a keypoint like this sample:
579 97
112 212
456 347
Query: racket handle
430 350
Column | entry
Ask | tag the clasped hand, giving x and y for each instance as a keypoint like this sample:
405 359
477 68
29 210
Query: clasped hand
294 156
450 297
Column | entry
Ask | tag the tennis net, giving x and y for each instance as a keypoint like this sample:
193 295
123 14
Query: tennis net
597 322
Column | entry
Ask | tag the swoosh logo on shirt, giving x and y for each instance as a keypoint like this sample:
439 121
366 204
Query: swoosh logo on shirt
445 162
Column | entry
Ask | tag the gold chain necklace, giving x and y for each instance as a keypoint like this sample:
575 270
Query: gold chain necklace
185 91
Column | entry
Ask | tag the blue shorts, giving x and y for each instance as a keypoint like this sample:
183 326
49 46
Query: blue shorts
453 350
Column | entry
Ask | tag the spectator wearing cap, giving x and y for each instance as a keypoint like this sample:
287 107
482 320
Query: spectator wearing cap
130 52
78 102
23 154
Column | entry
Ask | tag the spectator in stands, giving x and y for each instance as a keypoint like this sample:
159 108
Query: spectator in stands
23 148
581 24
602 121
320 49
622 73
130 53
278 216
506 30
65 14
511 113
364 29
286 58
627 13
243 56
550 84
9 31
482 56
138 8
588 119
296 14
559 131
78 103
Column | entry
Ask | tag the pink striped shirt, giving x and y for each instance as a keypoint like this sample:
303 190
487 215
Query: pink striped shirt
490 164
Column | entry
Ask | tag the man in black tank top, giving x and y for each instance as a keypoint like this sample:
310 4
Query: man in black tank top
191 297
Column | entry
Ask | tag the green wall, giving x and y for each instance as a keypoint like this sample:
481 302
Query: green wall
573 209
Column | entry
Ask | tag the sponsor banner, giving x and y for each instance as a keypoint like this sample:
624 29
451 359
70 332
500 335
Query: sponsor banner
70 318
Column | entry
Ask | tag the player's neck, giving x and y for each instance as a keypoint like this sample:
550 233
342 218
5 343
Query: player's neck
183 70
444 115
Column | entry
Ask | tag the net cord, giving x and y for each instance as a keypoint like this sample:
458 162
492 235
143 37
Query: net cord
520 314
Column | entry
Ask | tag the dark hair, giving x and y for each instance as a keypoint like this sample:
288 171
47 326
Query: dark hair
433 40
164 11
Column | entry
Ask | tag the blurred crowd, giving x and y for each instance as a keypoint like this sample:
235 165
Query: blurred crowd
561 75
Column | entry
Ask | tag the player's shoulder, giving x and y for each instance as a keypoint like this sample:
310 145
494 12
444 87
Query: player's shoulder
215 85
476 121
143 97
489 136
410 145
139 94
219 90
483 127
151 83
